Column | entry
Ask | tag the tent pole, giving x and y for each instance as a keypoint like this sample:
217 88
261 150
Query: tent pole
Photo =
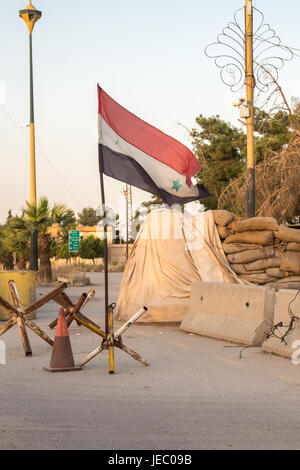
105 240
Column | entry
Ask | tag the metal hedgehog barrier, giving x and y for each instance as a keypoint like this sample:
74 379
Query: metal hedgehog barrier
19 315
71 312
110 340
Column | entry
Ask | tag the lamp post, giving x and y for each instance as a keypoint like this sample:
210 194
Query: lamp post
250 85
249 54
30 15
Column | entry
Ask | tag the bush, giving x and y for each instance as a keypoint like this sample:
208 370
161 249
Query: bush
91 248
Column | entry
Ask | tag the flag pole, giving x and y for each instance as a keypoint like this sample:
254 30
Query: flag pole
105 239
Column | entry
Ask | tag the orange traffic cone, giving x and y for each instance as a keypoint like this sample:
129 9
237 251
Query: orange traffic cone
62 359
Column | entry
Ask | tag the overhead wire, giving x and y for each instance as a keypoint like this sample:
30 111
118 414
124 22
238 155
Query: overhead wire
13 128
63 182
44 155
16 126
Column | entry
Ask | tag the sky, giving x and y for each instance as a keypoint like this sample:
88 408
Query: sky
148 55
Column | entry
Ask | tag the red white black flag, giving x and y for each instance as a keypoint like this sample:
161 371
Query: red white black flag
132 151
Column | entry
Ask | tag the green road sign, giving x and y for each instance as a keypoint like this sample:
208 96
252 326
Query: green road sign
74 241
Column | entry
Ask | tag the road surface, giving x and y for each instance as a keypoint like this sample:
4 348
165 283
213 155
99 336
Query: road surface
196 394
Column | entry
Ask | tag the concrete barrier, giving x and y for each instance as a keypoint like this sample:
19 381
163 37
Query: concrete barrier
285 298
75 260
26 285
117 254
230 312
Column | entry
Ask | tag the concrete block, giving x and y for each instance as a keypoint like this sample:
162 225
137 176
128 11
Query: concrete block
117 254
26 285
74 280
285 297
230 312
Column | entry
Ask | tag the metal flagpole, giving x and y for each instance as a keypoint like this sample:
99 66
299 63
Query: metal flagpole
105 240
109 342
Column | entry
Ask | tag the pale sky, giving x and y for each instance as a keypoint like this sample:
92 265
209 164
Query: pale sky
148 55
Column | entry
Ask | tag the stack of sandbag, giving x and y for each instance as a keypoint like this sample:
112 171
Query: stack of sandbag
259 250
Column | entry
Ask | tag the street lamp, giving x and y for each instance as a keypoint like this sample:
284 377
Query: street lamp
30 15
249 54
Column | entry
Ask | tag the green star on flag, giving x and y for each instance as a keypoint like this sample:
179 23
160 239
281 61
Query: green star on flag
176 185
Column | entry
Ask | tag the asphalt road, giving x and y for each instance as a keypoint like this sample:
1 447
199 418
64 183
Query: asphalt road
196 394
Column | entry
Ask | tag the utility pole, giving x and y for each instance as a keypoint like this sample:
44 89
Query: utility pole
250 85
30 15
240 58
128 197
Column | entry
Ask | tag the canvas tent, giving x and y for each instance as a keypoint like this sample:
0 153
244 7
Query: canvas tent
171 251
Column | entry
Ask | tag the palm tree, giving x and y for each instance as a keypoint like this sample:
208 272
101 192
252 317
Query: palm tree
18 241
40 217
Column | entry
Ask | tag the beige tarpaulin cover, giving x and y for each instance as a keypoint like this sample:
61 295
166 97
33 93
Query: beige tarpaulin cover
171 252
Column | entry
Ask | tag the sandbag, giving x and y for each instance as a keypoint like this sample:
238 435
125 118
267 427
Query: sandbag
263 237
224 232
239 247
276 272
257 278
291 235
240 269
284 285
255 223
290 261
222 217
293 247
251 255
263 264
290 279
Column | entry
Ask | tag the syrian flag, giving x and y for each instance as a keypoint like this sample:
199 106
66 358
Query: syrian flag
132 151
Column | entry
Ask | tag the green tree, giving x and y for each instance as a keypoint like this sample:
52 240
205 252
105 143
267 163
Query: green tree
88 217
221 150
53 248
13 242
91 248
272 132
6 251
40 217
63 251
18 242
68 222
141 212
